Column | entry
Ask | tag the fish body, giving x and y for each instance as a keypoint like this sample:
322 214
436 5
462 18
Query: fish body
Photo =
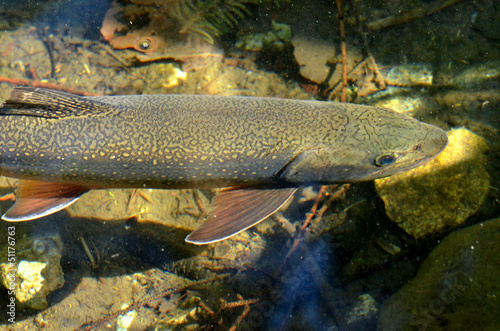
194 141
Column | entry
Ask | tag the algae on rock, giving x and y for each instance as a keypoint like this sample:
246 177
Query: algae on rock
456 286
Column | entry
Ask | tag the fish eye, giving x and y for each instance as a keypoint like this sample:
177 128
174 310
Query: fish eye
144 44
417 147
385 159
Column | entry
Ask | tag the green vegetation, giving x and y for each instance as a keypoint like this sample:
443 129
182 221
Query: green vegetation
212 18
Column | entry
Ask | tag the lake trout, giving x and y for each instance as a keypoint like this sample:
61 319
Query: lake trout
260 149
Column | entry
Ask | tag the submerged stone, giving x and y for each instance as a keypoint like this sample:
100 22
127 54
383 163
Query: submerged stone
36 270
409 75
443 193
313 56
456 287
363 314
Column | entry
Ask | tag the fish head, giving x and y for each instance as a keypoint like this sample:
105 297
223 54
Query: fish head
373 152
402 152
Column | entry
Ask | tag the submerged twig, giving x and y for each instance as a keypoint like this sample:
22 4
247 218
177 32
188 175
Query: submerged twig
241 302
240 318
116 57
49 46
246 310
141 303
409 16
298 238
373 79
340 15
89 254
8 196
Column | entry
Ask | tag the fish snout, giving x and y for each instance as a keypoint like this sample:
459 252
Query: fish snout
434 143
438 140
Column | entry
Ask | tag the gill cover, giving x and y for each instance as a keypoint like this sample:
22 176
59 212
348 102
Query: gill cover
323 165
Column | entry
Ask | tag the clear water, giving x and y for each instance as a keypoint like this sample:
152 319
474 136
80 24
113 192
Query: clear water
410 255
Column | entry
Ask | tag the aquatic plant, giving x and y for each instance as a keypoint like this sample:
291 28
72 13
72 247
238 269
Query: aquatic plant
211 18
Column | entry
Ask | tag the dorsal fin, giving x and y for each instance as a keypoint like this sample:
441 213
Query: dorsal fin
40 102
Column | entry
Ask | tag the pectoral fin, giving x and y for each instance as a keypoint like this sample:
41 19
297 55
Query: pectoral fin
36 199
236 211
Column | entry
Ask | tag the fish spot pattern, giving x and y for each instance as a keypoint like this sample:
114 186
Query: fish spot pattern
172 141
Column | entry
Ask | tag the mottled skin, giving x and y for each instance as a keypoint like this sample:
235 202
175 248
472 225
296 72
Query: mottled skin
187 141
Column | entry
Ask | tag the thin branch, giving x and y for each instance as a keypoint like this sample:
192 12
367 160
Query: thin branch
409 16
340 16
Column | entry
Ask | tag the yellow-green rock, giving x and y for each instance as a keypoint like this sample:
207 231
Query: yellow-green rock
442 193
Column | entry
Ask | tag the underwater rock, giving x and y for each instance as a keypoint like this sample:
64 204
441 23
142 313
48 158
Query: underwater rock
124 321
175 208
280 35
481 76
37 269
456 287
409 75
404 92
313 56
485 21
317 57
162 216
243 249
403 101
442 193
7 186
235 253
363 314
